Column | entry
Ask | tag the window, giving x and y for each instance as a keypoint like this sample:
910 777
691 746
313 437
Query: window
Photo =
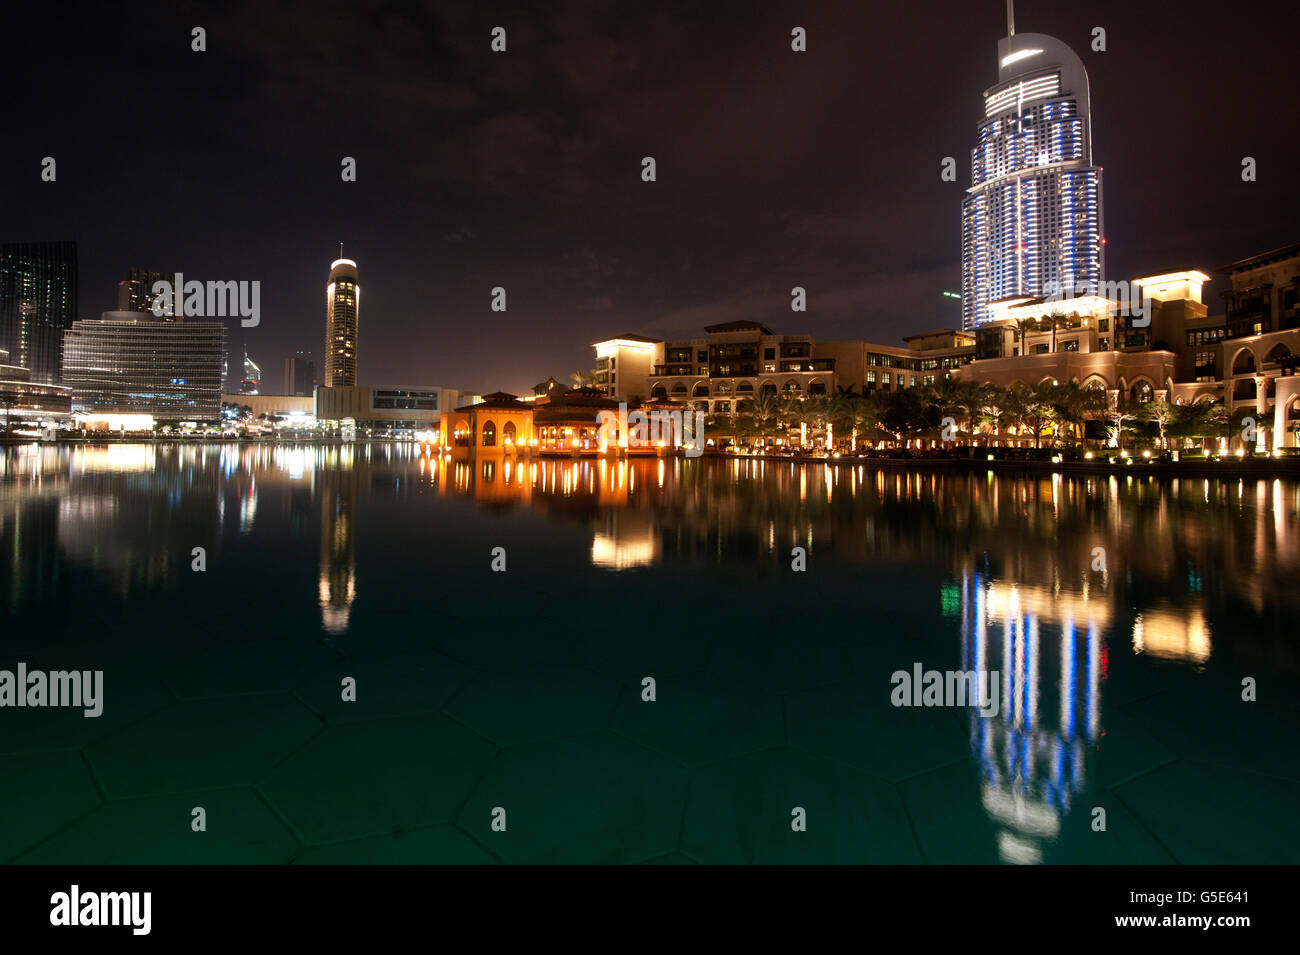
1103 344
769 354
701 356
489 434
1071 345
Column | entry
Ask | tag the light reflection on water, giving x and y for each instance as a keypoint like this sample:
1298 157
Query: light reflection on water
1018 557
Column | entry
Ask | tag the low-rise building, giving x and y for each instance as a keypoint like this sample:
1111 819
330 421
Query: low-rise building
1259 350
385 408
737 361
1178 352
1090 340
23 401
498 422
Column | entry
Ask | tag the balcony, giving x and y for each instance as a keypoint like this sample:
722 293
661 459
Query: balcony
666 371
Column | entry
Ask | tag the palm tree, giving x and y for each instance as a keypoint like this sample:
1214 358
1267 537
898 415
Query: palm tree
764 410
860 415
582 378
789 411
1074 405
949 398
1023 327
816 412
1040 410
1014 407
1056 320
985 408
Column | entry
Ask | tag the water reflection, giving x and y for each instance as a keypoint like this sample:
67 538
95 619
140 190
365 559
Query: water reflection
1016 558
1052 659
337 587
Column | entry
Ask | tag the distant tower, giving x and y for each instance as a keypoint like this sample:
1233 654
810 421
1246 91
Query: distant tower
251 383
135 293
1032 218
38 304
342 296
299 374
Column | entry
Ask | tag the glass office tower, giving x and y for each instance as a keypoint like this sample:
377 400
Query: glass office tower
38 303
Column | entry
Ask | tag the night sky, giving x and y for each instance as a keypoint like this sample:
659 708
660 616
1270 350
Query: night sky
522 169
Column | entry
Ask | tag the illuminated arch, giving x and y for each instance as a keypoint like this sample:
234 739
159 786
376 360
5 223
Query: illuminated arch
1243 362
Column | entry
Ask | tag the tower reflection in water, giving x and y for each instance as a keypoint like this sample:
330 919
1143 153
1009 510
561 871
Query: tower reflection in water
1051 651
337 583
1033 755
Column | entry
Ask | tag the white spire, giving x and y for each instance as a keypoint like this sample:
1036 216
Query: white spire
1011 18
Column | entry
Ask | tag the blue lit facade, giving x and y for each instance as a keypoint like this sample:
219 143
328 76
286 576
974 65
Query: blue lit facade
1032 219
1050 650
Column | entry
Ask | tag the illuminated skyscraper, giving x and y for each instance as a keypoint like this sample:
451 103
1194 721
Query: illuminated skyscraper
134 363
38 303
135 293
1032 219
342 298
251 383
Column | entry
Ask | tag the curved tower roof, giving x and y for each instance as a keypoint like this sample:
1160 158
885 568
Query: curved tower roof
342 308
1032 218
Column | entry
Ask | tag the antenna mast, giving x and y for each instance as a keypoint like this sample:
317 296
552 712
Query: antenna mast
1011 18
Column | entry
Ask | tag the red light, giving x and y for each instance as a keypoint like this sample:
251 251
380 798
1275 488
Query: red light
1103 241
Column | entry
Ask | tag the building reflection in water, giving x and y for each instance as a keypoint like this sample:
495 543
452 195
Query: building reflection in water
1172 633
337 583
1033 755
1182 553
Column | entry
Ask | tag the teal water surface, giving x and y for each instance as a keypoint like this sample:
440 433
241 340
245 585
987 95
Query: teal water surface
1121 615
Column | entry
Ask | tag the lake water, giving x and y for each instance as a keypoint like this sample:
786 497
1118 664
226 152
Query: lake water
1125 618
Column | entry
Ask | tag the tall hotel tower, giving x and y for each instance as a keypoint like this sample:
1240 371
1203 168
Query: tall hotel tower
342 296
1031 220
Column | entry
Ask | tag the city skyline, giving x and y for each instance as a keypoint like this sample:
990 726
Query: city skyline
759 447
535 186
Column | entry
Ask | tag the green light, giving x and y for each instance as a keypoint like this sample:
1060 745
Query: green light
951 295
